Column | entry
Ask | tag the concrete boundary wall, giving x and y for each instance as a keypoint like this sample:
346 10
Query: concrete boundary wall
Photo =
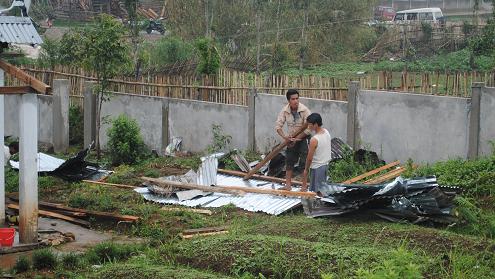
399 126
45 117
487 121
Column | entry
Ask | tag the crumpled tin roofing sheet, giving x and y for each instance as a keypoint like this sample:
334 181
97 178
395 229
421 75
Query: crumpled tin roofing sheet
269 204
46 163
18 30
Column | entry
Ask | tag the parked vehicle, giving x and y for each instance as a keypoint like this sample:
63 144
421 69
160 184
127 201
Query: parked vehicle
384 13
432 15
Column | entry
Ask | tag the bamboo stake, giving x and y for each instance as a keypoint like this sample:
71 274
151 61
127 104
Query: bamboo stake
273 153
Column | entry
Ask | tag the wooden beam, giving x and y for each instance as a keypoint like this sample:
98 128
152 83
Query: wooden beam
6 90
188 236
257 176
370 173
389 175
83 212
73 220
205 230
273 153
234 190
19 74
18 248
110 184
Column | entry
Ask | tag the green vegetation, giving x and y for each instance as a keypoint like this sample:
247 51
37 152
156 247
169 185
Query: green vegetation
22 264
44 259
125 143
76 125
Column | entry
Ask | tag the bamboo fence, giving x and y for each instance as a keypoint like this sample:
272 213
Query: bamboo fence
233 87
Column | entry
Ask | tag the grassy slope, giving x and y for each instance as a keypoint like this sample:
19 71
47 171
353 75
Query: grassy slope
287 246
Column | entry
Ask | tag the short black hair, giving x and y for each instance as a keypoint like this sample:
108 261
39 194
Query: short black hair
291 92
315 118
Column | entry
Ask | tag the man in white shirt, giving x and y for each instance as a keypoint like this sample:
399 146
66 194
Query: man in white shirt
319 154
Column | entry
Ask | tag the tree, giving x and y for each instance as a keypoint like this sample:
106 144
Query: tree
209 62
131 8
105 52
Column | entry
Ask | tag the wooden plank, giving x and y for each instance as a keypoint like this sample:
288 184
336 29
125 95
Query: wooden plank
389 175
205 230
107 215
73 220
202 234
110 184
19 74
235 190
16 90
370 173
273 153
184 209
18 248
257 176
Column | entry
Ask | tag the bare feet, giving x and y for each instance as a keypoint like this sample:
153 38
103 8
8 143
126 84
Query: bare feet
286 188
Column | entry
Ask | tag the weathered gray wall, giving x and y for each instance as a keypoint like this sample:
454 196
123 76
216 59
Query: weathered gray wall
487 120
12 105
334 114
193 120
425 128
147 111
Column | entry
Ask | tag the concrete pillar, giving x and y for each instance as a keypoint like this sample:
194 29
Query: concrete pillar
60 136
28 171
2 158
474 120
251 120
89 113
165 134
352 139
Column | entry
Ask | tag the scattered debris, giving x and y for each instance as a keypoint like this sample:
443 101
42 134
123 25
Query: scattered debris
416 200
241 162
174 146
370 173
74 169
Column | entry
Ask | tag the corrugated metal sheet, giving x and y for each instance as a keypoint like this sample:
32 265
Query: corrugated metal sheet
251 202
19 30
46 163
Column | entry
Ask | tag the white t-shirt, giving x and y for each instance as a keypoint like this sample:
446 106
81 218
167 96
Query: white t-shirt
323 152
6 154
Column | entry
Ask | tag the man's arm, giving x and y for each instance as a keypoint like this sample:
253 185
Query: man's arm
279 124
313 143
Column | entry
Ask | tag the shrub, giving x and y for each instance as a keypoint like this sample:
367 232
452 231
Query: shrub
22 264
76 125
44 259
71 261
109 252
126 146
221 141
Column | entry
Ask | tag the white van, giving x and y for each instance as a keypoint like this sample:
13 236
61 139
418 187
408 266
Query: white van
432 15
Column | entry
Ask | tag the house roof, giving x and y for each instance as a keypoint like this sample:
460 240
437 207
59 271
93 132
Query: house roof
19 30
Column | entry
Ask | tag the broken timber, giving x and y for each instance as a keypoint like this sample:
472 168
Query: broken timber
274 153
193 210
188 236
257 176
73 220
234 190
32 82
370 173
110 184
